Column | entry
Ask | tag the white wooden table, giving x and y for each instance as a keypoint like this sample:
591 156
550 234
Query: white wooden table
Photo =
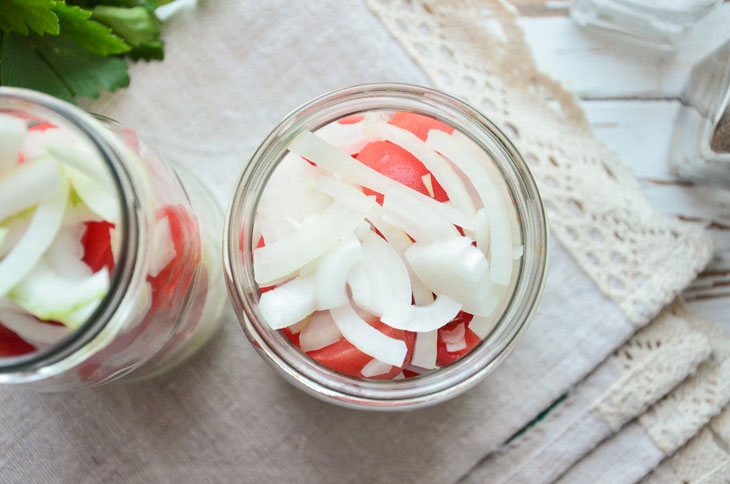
631 98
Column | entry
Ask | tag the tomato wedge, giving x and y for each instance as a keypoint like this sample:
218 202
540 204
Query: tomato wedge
418 124
343 357
445 357
396 163
97 244
13 345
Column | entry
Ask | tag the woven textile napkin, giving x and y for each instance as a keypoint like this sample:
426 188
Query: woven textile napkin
232 70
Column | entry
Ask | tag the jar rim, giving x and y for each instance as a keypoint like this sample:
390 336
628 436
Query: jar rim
300 369
49 361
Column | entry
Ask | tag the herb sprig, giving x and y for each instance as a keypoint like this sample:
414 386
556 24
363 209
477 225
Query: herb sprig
76 47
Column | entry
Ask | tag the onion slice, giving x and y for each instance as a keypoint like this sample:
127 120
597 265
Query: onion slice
53 297
87 162
380 279
441 169
313 148
425 351
319 332
28 184
95 196
500 232
428 183
330 278
12 130
481 326
44 226
416 220
348 138
35 332
286 255
289 303
368 339
374 368
455 339
422 318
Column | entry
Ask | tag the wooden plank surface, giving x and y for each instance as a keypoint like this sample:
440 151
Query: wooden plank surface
630 96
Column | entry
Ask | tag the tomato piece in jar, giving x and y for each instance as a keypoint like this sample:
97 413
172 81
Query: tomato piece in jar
343 357
418 124
11 344
97 244
398 164
443 355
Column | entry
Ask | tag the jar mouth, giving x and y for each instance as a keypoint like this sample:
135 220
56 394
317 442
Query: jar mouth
38 364
430 388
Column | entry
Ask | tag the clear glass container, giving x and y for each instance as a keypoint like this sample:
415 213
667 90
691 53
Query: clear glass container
652 23
151 318
431 388
701 142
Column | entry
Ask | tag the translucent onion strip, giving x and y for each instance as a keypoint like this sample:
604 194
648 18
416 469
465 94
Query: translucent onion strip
44 226
28 184
330 278
500 232
425 351
12 131
349 138
416 220
441 169
319 332
422 318
375 368
285 256
313 148
35 332
98 198
455 339
289 303
368 339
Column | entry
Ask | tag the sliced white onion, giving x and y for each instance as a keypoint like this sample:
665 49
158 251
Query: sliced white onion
456 262
34 141
43 227
289 303
53 297
375 368
416 219
291 194
28 184
321 331
330 278
4 233
485 300
425 351
64 256
441 169
422 318
428 183
455 339
94 195
162 247
500 247
78 317
400 243
368 339
362 230
481 230
313 148
12 130
380 279
349 138
31 330
482 326
87 162
286 255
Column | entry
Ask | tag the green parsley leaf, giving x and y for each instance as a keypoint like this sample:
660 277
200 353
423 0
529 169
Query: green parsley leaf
23 16
138 26
60 67
76 26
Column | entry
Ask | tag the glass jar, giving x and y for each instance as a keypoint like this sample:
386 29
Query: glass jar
152 318
431 388
652 23
701 141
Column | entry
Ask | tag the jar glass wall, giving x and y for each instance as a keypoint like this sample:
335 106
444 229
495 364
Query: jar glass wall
165 292
432 387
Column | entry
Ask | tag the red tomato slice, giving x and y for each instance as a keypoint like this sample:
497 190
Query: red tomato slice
42 126
444 357
13 345
294 338
396 163
97 244
418 124
345 358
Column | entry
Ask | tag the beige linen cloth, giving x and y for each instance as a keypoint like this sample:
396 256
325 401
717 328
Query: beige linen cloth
232 70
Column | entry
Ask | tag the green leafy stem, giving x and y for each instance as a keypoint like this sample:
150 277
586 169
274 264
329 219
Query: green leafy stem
75 47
